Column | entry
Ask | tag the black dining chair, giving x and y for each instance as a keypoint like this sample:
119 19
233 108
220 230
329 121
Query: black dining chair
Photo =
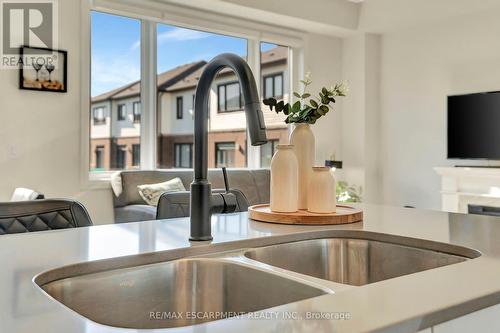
40 215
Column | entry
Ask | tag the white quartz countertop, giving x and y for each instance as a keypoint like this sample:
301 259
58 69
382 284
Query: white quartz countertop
405 304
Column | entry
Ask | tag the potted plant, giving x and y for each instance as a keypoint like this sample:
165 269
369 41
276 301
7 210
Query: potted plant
303 113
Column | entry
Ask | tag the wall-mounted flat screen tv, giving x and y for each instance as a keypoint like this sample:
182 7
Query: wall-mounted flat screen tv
474 126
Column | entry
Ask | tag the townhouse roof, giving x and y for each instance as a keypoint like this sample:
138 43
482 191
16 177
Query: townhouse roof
165 80
274 56
187 76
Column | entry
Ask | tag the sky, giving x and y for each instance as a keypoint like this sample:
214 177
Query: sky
116 49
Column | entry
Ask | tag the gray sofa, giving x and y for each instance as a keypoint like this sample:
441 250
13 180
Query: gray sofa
130 207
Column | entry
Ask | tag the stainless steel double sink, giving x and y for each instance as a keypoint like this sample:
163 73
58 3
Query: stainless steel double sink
162 292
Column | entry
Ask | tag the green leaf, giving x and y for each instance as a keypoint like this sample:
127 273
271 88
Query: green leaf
296 94
286 109
270 101
280 106
296 107
313 103
324 91
306 95
325 100
305 111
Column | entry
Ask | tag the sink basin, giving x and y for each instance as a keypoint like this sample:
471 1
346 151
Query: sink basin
355 261
167 294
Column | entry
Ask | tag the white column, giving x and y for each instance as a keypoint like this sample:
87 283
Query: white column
253 152
148 95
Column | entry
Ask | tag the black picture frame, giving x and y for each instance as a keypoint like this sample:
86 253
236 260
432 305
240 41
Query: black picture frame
47 85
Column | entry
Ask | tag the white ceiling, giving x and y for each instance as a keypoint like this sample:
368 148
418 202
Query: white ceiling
341 17
386 15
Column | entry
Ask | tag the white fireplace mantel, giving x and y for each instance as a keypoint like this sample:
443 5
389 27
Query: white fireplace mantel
461 186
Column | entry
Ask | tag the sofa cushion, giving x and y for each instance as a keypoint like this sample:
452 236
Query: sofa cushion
151 192
133 178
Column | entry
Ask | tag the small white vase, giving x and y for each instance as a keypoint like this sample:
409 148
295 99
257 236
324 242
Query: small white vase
284 180
302 138
321 196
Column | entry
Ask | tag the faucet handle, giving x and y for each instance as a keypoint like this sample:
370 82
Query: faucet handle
226 182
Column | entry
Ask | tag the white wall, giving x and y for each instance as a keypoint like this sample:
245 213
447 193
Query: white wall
360 146
40 131
420 67
323 57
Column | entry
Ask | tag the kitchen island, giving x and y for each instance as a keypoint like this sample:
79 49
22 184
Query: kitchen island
456 298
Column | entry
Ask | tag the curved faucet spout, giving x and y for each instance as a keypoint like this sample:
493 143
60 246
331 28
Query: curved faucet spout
202 201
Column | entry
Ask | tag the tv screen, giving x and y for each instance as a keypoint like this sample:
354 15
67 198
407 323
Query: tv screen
474 126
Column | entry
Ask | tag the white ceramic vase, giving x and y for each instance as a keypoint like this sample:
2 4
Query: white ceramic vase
284 180
302 138
322 191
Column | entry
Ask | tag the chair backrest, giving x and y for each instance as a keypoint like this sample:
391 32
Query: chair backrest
39 215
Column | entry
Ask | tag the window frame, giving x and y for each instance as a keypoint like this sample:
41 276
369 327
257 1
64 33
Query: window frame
122 149
101 149
137 115
119 116
224 85
273 77
135 162
179 146
222 150
150 13
97 121
179 110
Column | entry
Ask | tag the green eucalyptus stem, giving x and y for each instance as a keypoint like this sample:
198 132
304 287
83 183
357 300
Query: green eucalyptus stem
303 111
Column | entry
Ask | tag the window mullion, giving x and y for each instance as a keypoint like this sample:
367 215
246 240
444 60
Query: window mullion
253 152
148 94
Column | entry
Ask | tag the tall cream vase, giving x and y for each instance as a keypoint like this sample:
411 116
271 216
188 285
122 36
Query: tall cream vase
284 177
302 138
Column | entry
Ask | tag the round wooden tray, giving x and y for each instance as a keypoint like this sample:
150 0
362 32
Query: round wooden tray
343 215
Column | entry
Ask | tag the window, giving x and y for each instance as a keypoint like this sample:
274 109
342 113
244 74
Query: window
273 86
98 115
267 152
183 155
99 157
181 57
122 112
274 69
137 112
229 97
121 157
179 103
115 76
224 154
136 155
